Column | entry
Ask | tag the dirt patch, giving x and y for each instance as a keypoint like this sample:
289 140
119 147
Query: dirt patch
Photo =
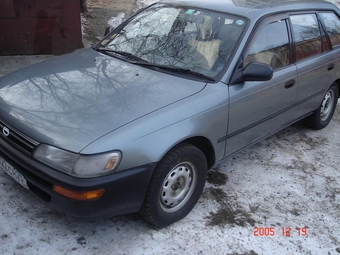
81 240
247 253
227 214
216 178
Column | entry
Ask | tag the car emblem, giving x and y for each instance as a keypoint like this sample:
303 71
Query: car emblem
5 131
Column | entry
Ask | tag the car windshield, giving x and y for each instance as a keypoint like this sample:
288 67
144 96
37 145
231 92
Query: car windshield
176 38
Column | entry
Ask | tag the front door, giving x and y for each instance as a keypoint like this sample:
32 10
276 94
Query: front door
259 109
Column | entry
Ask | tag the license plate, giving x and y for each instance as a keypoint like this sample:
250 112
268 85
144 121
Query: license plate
11 171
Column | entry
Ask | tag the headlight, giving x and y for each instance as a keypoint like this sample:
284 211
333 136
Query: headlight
78 165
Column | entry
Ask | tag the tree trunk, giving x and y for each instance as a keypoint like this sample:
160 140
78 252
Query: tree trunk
83 6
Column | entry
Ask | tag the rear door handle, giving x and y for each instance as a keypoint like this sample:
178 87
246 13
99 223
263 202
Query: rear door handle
289 84
330 67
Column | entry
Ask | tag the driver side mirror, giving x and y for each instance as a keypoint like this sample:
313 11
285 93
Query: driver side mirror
254 71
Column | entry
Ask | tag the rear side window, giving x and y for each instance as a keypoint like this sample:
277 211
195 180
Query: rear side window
332 24
271 46
307 35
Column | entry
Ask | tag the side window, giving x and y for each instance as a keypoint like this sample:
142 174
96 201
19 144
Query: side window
332 24
271 46
307 35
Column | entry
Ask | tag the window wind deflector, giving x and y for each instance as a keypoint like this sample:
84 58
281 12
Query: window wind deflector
174 69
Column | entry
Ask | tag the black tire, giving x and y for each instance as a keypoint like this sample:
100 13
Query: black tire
175 185
323 115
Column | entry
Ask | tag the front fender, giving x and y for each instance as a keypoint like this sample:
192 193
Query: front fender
147 139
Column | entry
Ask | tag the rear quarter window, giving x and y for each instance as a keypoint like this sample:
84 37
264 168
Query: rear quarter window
307 35
332 25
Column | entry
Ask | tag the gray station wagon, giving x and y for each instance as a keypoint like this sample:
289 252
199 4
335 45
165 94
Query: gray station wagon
134 123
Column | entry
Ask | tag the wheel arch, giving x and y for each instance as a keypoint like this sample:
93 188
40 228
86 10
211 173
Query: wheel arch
205 146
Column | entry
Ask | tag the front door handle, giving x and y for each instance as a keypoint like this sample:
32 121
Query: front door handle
289 84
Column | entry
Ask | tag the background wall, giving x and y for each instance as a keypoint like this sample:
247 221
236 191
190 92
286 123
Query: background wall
39 26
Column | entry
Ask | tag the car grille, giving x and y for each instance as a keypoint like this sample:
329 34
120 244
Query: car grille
17 139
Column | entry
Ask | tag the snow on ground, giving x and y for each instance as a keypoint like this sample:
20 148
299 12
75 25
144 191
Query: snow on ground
83 22
336 2
290 181
115 21
143 3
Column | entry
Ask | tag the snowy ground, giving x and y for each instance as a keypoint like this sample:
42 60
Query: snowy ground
289 181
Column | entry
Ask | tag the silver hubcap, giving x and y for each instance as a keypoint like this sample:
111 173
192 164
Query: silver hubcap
327 105
178 187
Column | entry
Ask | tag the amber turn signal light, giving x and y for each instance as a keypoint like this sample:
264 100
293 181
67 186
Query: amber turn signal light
79 195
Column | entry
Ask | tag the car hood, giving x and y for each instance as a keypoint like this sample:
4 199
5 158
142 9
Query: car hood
72 100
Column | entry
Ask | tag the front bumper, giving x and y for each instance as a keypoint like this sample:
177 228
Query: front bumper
124 190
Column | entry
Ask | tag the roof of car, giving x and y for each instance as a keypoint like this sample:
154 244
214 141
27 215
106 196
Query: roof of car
254 8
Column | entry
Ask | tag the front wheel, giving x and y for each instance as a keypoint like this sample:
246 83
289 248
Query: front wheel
323 115
175 186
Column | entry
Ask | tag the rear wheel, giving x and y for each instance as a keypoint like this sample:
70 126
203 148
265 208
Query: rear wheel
323 115
175 186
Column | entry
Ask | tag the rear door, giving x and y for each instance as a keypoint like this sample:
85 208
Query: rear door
316 62
259 109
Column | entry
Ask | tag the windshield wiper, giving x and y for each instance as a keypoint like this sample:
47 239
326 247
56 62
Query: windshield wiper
140 61
122 53
174 69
